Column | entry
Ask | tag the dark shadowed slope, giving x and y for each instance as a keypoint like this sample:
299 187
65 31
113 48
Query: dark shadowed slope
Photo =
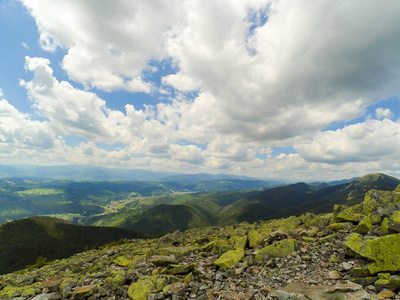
23 241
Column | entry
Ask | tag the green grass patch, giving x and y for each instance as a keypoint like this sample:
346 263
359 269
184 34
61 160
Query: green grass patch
41 192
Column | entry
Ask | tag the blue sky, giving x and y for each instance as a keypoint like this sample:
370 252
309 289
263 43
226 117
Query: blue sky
259 88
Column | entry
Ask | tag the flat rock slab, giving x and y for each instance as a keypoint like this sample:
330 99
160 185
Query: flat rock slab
297 291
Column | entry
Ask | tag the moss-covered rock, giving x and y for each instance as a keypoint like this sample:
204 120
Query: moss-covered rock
66 287
279 249
239 242
387 281
255 239
145 286
364 226
385 251
116 279
221 245
340 226
285 225
327 239
349 216
229 259
392 224
360 244
122 261
374 199
376 219
308 239
9 292
181 269
310 219
385 226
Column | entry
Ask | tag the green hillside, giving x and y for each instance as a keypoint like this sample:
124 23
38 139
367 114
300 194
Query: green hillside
76 201
158 215
168 218
350 253
23 241
301 198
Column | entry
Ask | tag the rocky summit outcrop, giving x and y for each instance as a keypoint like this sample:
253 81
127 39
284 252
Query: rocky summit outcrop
352 253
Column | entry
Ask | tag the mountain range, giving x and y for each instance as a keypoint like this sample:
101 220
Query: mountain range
25 240
182 212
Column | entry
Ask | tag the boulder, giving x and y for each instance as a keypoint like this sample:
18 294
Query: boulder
310 219
145 286
392 224
163 260
239 242
255 239
279 249
375 199
340 226
385 226
348 216
364 226
83 292
229 259
181 269
52 283
387 281
327 239
385 252
360 244
221 245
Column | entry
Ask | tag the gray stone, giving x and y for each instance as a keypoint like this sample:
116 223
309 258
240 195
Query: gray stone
49 296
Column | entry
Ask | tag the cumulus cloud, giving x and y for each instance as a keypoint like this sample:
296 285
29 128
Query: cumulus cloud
304 68
369 141
383 113
265 74
17 129
108 45
82 113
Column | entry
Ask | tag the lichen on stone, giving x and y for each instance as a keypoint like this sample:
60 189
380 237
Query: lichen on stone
364 226
145 286
360 244
279 249
229 259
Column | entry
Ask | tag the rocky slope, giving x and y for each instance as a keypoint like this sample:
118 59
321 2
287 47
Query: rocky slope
352 253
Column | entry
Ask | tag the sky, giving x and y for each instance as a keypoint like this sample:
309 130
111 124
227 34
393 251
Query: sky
296 89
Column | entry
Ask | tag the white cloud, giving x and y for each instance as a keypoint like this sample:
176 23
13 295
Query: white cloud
363 142
109 45
189 153
82 113
383 113
259 84
1 93
309 65
16 129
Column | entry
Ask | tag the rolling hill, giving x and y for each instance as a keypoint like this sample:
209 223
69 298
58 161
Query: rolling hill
23 241
225 208
300 198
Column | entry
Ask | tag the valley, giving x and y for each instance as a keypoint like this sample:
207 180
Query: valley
151 209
